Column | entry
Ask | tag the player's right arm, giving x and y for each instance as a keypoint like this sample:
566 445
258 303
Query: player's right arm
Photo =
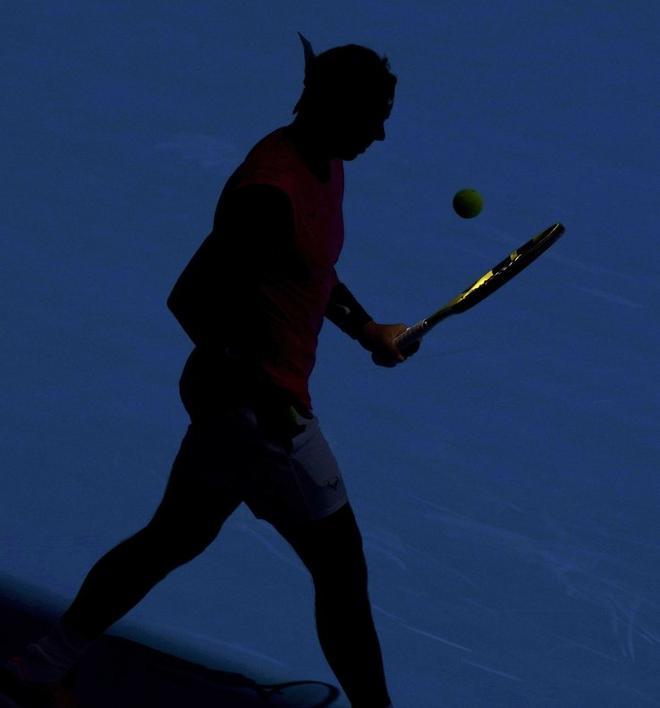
215 297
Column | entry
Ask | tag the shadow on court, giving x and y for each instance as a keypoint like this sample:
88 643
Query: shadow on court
122 672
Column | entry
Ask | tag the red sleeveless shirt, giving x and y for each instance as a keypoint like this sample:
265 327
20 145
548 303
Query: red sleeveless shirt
295 307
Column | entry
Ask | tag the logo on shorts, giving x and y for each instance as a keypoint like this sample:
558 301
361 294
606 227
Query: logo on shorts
333 483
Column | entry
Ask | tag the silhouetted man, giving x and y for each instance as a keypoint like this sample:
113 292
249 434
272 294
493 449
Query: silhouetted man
252 300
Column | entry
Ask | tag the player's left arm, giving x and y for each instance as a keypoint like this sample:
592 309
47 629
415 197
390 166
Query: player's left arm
347 314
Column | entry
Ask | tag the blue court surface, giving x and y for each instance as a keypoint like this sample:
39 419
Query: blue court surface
505 477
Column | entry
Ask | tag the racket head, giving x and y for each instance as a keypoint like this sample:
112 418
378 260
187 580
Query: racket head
506 269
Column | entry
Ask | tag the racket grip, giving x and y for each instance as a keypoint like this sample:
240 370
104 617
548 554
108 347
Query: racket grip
410 335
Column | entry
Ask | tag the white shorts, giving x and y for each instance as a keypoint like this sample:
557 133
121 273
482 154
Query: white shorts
234 455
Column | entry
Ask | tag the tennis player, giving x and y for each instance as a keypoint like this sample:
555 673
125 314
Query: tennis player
252 300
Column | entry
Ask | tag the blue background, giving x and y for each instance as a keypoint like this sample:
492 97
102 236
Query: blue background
505 477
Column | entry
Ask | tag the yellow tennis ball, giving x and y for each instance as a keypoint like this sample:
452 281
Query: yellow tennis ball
468 203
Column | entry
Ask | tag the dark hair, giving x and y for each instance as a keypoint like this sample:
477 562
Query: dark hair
347 74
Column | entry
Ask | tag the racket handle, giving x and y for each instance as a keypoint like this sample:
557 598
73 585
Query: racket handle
410 335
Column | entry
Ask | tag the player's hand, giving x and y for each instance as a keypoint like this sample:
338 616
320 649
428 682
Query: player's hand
379 340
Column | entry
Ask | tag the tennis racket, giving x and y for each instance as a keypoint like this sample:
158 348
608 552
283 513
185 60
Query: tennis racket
495 278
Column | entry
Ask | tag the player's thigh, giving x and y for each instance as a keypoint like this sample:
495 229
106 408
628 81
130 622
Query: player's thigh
202 490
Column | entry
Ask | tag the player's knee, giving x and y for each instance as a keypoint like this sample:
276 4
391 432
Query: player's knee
342 574
342 562
349 593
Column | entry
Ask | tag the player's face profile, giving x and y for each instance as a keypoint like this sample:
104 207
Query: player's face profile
357 125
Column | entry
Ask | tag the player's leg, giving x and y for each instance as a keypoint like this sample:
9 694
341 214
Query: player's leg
331 548
299 489
190 515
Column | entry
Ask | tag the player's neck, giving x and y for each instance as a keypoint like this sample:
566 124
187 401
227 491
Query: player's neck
308 140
